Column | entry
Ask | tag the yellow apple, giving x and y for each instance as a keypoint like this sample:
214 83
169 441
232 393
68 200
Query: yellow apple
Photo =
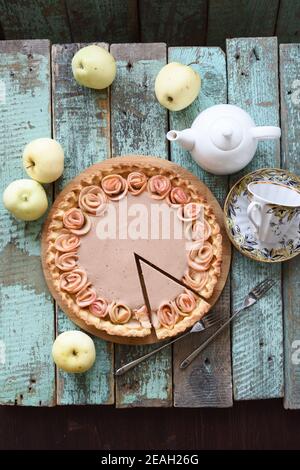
94 67
74 351
177 86
43 160
26 199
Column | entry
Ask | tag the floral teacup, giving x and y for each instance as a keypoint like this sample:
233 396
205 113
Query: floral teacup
273 208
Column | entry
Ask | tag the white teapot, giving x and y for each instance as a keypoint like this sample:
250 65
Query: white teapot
223 138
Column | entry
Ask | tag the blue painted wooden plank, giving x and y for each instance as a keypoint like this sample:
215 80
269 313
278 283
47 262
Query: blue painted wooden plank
27 375
257 334
204 383
290 118
138 126
81 121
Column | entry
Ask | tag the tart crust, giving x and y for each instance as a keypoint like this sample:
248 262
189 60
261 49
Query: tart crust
186 322
133 328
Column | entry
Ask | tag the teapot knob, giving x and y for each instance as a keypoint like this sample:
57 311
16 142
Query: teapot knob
227 130
226 133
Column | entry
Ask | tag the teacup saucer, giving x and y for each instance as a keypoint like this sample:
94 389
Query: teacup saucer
241 231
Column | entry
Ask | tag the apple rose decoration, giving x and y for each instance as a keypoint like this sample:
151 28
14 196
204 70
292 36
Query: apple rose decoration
198 230
207 230
178 196
194 233
77 221
92 200
67 242
195 279
73 281
99 307
159 186
167 315
119 313
66 261
114 186
190 212
184 303
141 314
199 259
137 182
86 296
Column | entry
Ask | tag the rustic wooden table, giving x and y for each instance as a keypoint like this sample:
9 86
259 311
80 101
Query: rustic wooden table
38 97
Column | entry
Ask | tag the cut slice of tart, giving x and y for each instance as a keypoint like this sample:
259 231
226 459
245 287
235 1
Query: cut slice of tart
170 320
172 316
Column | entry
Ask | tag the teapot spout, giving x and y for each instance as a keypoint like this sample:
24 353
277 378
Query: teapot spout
185 138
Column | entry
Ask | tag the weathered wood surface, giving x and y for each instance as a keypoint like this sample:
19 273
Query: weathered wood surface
26 308
257 333
35 19
207 382
1 32
240 18
288 22
105 20
290 118
175 22
138 125
81 123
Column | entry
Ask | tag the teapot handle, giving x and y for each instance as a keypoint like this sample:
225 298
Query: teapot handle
266 132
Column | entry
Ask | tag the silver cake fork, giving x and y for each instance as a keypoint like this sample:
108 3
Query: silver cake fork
253 296
211 319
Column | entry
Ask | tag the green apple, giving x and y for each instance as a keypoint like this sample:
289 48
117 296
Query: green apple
43 160
74 351
177 86
26 199
94 67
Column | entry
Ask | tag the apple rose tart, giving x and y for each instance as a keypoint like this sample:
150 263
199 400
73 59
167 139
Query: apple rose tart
109 217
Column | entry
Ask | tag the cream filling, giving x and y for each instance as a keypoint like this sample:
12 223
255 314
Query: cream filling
110 263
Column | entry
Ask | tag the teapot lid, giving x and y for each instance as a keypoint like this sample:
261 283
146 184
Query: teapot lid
226 133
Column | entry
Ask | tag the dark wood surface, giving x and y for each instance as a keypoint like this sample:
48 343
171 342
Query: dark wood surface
175 22
248 425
